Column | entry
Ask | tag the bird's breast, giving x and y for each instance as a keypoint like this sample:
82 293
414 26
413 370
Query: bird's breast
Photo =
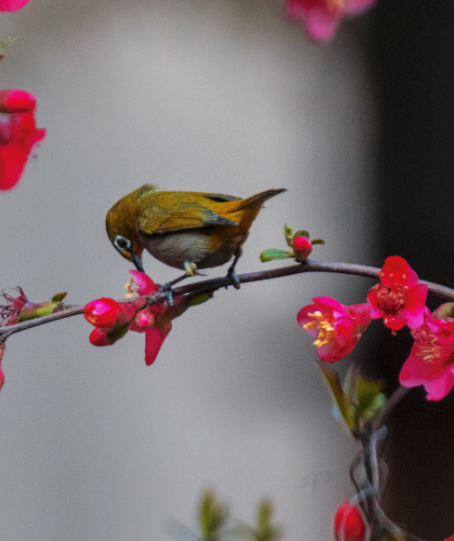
199 246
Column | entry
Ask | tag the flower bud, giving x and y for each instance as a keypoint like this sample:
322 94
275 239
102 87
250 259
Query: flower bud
302 248
16 101
348 523
102 312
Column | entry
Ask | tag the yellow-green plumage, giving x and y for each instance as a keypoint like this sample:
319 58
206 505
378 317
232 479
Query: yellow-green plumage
180 227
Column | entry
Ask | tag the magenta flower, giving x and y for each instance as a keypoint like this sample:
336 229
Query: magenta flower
18 137
337 328
399 299
113 319
16 101
348 523
12 5
302 248
2 375
321 18
431 360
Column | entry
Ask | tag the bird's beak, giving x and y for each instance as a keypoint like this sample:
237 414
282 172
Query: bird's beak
138 262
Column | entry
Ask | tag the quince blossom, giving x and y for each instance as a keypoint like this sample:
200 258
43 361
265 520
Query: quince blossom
113 319
18 134
321 18
337 328
431 360
399 299
348 523
12 5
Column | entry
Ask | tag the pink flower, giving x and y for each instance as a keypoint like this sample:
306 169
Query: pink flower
102 313
321 18
399 299
302 248
12 5
337 328
348 523
2 375
18 136
16 101
431 360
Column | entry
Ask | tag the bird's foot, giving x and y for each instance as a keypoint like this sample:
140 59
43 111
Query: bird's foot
233 276
191 270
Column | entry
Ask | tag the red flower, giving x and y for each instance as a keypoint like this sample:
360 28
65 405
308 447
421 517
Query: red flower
18 136
12 5
102 313
16 101
348 523
2 375
321 18
302 248
337 328
113 319
431 360
399 299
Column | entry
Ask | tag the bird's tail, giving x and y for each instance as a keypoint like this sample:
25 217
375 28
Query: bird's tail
258 199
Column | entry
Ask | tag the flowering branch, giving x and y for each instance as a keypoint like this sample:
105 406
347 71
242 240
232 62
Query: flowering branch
214 284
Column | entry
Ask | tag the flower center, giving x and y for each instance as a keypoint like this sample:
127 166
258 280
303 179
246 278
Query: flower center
324 325
391 301
428 349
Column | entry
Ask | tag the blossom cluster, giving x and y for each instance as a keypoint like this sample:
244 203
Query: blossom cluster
113 319
400 301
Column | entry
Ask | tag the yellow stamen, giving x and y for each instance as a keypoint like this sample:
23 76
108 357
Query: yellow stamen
130 292
326 333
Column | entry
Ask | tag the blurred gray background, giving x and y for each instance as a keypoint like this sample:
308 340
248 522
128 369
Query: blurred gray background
211 95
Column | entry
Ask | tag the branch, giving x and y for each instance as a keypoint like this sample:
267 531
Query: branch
214 284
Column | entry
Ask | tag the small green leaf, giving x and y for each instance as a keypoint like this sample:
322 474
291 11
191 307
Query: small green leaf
366 392
347 409
5 44
288 235
301 233
58 297
272 253
212 516
317 241
200 299
375 407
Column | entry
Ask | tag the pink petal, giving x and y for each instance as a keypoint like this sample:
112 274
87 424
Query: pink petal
154 338
397 271
322 26
415 305
330 303
356 7
145 283
395 323
16 101
18 136
12 5
438 388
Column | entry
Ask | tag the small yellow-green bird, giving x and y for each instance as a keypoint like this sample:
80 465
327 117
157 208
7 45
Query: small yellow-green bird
186 230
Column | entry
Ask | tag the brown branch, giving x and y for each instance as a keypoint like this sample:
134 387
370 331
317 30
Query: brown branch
214 284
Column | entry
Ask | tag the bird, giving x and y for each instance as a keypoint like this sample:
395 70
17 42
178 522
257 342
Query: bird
186 230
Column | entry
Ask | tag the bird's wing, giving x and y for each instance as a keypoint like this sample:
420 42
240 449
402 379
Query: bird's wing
220 197
186 215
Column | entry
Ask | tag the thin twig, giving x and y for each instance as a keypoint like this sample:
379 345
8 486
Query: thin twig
214 284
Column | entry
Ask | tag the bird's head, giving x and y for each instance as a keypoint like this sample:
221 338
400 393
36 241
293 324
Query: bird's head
121 227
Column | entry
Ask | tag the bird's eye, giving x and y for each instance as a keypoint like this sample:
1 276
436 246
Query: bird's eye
122 243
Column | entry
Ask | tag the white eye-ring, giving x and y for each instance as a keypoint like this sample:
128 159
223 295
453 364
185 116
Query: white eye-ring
122 243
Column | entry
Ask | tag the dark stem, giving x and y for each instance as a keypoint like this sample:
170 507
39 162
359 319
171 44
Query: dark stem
214 284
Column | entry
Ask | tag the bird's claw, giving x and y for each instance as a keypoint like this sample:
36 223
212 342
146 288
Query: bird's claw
232 275
167 290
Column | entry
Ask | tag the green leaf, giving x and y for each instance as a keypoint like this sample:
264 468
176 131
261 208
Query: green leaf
301 233
317 241
200 299
272 253
212 516
366 391
288 235
5 44
347 409
375 407
58 297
